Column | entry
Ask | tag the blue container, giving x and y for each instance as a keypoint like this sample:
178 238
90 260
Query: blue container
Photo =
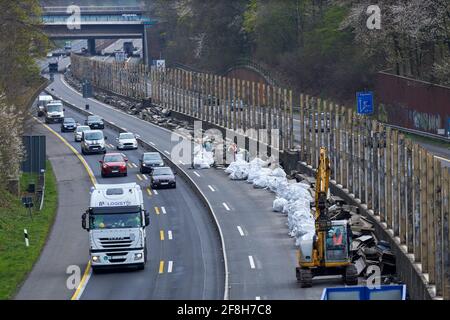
391 292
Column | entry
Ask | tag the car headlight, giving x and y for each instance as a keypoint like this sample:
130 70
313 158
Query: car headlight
95 258
144 165
137 256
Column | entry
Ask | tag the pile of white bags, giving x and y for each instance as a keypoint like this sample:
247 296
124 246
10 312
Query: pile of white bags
292 199
202 159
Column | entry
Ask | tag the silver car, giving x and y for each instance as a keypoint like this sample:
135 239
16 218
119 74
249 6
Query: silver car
78 132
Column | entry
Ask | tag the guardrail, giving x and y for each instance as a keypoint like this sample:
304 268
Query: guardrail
396 181
420 133
194 187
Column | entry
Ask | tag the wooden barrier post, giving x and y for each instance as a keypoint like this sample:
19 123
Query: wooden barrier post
445 233
416 231
438 226
431 197
388 179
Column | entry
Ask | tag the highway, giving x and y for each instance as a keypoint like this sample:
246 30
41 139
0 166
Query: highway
261 255
185 260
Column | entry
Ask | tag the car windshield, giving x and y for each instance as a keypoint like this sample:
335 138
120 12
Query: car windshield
94 119
69 120
54 108
93 136
113 158
162 172
126 136
115 221
82 128
152 156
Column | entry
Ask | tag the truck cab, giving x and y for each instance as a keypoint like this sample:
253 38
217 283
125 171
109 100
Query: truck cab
116 222
54 112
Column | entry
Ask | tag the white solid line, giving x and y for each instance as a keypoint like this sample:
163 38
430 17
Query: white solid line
196 173
226 206
240 231
252 263
155 192
169 235
163 209
210 187
169 267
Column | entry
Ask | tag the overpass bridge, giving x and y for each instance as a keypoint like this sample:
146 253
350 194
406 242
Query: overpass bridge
99 22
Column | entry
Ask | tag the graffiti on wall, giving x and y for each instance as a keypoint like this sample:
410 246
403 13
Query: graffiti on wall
425 121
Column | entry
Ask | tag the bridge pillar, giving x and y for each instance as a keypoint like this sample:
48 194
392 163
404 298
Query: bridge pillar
146 46
91 46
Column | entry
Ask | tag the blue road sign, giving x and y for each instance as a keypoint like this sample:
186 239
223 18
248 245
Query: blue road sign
365 102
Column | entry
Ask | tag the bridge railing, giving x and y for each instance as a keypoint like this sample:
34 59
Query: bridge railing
95 9
399 183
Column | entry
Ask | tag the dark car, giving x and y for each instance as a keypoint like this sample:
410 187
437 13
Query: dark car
150 160
162 177
114 164
69 124
95 122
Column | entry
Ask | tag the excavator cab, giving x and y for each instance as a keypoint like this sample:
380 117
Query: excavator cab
327 253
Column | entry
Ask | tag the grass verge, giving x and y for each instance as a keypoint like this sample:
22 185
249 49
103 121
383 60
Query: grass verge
17 260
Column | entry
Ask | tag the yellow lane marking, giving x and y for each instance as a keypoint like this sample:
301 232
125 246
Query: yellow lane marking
149 192
161 235
157 210
130 166
82 283
139 177
94 181
161 266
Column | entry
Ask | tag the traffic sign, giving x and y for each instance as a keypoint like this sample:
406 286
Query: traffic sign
365 102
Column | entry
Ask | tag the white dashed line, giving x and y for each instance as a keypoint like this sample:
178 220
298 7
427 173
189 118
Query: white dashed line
182 162
226 206
155 192
258 298
167 152
163 209
211 188
196 173
134 165
241 232
145 177
169 235
152 143
170 267
252 262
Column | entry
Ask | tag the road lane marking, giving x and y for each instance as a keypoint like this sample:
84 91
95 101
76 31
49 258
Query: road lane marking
169 234
139 177
163 209
161 235
211 188
149 192
157 210
182 162
167 152
145 177
252 262
196 173
241 232
226 206
258 298
169 267
155 192
152 143
129 166
88 271
161 266
134 165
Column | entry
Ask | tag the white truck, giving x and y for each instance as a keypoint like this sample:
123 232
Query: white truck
116 222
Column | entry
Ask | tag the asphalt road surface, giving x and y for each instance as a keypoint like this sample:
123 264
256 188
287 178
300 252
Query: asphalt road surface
261 255
189 250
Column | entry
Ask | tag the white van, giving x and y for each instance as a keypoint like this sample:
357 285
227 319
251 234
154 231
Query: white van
54 112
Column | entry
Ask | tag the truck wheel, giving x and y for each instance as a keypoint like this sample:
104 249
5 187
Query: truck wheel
304 277
350 275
